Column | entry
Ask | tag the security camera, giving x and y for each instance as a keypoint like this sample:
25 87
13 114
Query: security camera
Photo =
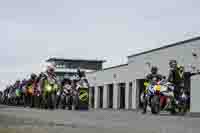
194 54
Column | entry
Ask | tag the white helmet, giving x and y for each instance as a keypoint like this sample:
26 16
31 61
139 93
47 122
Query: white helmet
49 66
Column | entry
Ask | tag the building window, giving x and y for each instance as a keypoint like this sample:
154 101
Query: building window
60 66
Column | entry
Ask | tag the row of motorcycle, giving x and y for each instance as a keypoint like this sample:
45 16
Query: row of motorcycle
51 97
160 96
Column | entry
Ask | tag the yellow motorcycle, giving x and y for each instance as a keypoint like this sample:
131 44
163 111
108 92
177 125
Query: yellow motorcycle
49 94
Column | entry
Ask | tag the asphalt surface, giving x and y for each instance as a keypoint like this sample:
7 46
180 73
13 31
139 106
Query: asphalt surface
19 118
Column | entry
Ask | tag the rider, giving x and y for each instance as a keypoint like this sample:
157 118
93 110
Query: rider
50 72
152 78
17 89
176 76
30 87
49 76
65 88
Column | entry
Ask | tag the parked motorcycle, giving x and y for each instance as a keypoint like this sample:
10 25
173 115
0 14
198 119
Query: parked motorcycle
164 99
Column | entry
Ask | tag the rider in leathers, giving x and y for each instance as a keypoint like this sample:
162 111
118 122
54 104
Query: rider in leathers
152 78
49 74
66 91
176 77
29 99
17 86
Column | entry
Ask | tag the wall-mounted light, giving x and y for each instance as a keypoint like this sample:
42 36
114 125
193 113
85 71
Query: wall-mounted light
148 64
114 75
194 53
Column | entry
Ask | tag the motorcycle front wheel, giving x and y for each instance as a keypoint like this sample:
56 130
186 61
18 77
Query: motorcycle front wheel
155 104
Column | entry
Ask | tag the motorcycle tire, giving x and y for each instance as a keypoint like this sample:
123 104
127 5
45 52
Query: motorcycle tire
70 101
50 101
155 105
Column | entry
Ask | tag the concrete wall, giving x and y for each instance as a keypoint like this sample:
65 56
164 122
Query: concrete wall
113 76
195 92
107 76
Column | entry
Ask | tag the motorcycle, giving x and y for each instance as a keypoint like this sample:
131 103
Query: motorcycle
67 98
150 97
18 96
183 102
37 97
81 97
164 99
50 89
28 95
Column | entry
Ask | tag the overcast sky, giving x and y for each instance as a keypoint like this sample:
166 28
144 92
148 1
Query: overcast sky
33 30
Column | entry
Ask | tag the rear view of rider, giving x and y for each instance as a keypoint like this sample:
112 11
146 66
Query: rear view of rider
176 76
152 78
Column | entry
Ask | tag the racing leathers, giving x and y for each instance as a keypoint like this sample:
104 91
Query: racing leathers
176 77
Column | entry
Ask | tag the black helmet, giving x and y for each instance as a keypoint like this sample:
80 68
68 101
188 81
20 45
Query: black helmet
33 76
17 81
154 70
66 80
173 63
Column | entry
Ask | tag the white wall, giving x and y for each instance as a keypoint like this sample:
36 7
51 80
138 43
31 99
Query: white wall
107 76
195 91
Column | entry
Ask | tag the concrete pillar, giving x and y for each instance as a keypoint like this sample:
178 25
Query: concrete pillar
116 98
97 97
134 95
105 96
127 91
90 97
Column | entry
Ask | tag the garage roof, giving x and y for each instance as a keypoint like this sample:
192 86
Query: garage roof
166 46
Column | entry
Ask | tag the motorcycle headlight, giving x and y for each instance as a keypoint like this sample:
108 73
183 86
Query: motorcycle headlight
158 87
146 84
48 87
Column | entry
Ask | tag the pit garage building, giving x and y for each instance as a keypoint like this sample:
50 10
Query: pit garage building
119 87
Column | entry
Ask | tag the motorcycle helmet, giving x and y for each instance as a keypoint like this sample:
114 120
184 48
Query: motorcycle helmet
17 82
33 76
49 67
66 81
154 70
173 63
